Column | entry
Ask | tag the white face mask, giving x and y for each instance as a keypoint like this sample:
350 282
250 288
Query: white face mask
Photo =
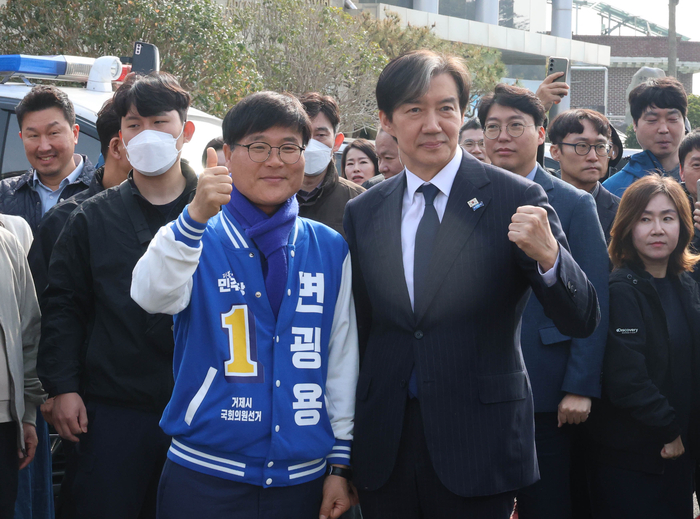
152 153
317 156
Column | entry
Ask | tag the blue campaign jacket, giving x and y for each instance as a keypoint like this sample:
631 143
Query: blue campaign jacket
250 401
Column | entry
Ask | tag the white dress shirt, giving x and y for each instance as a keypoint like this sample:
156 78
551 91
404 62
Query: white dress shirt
412 211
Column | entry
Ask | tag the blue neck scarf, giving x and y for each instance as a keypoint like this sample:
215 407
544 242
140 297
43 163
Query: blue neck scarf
271 235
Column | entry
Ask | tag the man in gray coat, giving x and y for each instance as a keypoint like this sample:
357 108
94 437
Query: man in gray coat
20 389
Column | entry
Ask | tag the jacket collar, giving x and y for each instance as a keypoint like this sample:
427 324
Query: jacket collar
327 185
85 176
187 172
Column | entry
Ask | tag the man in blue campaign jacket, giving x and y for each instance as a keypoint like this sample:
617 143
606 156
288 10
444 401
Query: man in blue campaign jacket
658 107
266 354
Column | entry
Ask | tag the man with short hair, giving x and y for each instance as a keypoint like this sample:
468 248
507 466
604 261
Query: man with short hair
107 362
658 108
49 134
443 419
264 313
471 138
388 155
689 155
581 144
323 193
217 144
564 371
113 172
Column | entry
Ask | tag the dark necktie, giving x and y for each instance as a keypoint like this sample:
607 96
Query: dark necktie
425 238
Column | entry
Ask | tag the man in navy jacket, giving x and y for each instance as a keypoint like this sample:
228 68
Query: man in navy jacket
564 371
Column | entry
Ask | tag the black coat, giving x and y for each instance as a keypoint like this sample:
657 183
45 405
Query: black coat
94 338
51 226
634 419
18 198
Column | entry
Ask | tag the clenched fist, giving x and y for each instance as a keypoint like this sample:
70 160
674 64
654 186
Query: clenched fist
214 188
529 230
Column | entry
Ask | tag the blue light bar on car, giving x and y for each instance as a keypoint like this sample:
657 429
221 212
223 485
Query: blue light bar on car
64 68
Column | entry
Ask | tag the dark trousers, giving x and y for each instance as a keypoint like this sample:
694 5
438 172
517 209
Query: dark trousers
581 466
187 494
618 493
414 490
550 497
117 464
9 469
35 488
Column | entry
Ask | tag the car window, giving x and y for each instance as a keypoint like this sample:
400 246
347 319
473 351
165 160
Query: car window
14 161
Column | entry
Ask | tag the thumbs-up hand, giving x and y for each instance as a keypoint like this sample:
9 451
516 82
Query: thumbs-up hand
213 190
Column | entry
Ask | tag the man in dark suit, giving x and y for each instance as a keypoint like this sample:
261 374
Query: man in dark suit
444 256
584 170
564 371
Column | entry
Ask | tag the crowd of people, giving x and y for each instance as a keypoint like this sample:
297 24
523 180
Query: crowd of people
444 329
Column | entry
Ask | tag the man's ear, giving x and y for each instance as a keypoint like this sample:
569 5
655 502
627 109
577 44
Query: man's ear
541 133
339 138
115 144
188 132
555 152
227 152
681 173
386 123
76 133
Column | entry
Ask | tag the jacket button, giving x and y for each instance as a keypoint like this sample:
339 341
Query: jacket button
629 276
251 255
634 281
269 481
258 294
418 334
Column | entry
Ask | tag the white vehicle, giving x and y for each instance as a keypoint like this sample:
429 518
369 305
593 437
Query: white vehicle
100 75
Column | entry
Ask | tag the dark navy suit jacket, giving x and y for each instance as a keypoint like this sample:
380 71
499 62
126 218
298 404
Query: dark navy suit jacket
606 204
464 338
557 363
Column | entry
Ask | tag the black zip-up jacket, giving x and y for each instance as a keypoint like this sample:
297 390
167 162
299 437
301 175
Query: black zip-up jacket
634 419
95 340
50 227
17 196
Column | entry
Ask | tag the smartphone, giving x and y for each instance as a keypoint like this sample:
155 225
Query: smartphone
555 65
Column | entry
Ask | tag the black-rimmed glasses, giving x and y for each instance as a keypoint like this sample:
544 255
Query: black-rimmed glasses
260 152
582 148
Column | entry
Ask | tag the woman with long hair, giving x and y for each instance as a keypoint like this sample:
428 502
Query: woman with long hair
641 425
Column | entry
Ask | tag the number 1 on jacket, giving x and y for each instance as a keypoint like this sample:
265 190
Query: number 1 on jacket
240 363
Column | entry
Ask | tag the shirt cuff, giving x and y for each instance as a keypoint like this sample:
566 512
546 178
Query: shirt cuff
187 230
340 454
550 277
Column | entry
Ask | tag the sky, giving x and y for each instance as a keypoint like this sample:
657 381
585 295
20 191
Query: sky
687 19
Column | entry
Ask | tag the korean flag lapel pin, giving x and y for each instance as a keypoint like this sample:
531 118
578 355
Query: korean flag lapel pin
475 204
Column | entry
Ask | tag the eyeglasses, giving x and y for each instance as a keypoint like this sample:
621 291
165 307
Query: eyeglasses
492 131
581 148
260 152
470 144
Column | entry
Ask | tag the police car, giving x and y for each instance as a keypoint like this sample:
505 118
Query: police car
99 76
